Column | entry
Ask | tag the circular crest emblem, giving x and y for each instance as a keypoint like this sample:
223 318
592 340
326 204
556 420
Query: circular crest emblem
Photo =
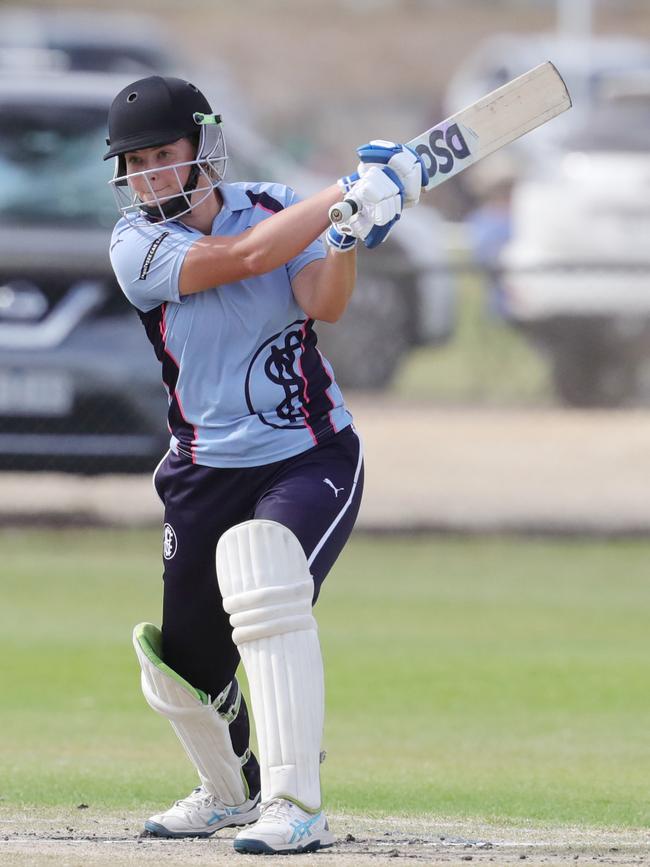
274 382
169 542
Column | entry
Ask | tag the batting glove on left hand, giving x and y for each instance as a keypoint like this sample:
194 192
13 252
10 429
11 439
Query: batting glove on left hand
403 160
339 240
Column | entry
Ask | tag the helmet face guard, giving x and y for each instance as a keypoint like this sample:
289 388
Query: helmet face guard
152 112
207 170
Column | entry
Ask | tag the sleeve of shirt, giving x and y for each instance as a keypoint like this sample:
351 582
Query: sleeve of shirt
147 264
315 250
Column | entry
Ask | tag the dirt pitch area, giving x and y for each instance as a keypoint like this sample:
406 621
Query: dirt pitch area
85 837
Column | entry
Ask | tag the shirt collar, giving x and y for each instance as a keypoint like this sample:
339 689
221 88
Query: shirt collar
234 198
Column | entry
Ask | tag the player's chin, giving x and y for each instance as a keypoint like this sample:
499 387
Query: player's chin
159 197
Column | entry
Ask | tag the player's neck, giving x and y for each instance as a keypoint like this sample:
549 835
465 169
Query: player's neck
202 216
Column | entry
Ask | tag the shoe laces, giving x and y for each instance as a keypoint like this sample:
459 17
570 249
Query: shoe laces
197 797
278 808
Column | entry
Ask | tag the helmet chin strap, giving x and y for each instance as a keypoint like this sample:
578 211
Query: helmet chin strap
178 203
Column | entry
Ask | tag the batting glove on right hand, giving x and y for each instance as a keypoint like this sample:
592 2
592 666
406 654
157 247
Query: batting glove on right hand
403 160
379 196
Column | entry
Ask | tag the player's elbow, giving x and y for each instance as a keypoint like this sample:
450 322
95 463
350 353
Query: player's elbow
251 264
330 317
333 314
326 311
323 306
255 259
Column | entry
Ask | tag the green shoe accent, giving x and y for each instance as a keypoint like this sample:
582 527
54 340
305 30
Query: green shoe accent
300 804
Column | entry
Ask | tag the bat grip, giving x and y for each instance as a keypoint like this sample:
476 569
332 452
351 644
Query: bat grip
342 211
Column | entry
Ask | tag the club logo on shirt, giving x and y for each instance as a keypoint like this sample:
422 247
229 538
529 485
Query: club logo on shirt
151 252
170 543
277 363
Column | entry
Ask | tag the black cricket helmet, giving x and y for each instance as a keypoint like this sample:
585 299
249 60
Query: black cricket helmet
158 110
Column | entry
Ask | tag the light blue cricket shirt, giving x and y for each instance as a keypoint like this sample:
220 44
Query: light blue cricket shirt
247 385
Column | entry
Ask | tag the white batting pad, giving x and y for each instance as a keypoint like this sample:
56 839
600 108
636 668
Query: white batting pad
267 590
201 724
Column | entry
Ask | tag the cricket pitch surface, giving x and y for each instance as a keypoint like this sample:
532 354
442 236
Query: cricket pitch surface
86 837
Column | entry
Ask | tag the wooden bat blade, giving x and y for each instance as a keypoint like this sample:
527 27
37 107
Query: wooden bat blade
495 120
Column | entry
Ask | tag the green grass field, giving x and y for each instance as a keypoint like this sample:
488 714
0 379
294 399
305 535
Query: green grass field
465 677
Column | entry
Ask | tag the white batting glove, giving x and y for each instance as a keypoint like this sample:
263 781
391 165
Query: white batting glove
339 241
405 162
378 195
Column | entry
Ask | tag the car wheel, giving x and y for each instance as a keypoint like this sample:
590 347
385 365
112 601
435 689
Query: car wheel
583 378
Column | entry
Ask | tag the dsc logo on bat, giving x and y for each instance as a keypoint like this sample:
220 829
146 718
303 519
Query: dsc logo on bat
445 146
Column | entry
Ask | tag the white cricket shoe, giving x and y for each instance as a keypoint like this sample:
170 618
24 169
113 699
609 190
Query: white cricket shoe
200 815
285 827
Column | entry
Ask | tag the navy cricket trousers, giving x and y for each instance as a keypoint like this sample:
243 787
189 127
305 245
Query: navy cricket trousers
315 494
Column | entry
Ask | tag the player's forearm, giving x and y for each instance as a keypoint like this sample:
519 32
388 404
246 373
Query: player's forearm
273 242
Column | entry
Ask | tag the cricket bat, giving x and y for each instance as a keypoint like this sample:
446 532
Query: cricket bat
497 119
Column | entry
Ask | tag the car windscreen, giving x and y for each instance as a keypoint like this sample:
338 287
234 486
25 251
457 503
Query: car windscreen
51 168
621 124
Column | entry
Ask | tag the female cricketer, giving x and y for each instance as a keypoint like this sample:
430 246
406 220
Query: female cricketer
263 478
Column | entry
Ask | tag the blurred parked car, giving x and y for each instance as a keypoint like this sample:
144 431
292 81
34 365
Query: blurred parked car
577 268
80 388
83 40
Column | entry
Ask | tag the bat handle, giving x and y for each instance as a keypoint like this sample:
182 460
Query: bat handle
342 211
